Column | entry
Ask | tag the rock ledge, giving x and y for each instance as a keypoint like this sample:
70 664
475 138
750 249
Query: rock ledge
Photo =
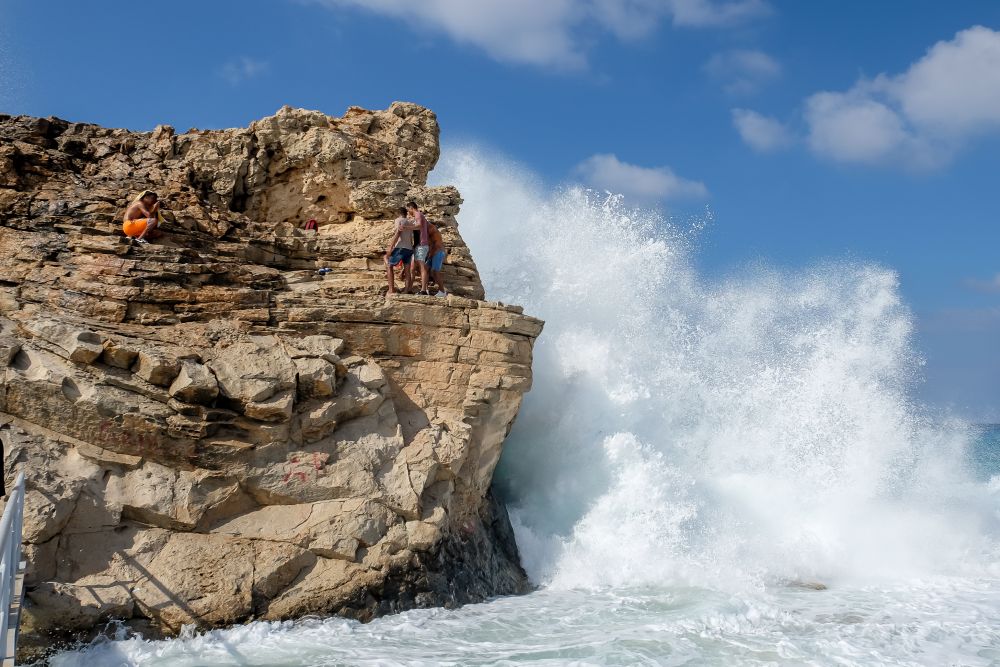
211 431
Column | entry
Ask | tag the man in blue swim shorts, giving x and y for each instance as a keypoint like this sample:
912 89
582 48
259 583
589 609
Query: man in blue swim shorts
435 259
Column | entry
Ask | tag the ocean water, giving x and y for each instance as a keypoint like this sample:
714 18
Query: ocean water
707 472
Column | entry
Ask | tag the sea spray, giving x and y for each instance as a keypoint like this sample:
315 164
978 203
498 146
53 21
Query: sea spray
734 433
690 448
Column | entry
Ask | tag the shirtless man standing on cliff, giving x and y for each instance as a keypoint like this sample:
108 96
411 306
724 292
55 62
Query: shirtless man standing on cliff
435 259
142 216
400 252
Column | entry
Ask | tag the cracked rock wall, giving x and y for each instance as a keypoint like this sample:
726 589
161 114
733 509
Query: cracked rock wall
211 431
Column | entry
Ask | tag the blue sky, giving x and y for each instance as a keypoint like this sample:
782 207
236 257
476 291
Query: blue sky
811 130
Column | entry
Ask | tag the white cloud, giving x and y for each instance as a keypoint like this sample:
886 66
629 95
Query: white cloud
550 33
702 13
760 132
989 285
921 117
742 72
606 172
241 69
854 128
955 88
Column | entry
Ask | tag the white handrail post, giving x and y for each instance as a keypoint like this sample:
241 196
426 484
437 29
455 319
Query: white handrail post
11 570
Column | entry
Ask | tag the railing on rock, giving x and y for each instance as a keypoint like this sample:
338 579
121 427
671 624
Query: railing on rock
11 570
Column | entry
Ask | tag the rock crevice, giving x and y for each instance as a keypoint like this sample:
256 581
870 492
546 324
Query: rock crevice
213 432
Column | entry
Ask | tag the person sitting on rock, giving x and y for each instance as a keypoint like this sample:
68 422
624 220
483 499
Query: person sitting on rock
436 259
142 217
400 251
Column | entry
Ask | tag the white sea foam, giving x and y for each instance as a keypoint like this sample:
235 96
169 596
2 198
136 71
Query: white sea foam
924 623
689 449
723 434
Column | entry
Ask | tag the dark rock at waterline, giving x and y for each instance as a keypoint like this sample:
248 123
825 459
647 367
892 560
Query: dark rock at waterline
473 564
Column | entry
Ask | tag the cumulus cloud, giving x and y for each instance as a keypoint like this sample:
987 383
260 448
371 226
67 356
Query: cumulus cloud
550 33
241 69
762 133
921 117
989 285
955 88
606 172
741 72
854 128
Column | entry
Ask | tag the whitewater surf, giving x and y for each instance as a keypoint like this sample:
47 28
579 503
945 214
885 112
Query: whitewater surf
707 471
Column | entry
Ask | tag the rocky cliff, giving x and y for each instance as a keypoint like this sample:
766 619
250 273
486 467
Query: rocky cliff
211 431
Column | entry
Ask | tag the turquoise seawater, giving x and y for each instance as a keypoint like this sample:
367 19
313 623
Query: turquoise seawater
984 455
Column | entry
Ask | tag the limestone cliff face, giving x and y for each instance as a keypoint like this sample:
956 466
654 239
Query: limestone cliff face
211 431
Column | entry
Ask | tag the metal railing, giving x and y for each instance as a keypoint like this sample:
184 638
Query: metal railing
11 570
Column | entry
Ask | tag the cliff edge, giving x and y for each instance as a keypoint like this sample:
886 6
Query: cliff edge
211 431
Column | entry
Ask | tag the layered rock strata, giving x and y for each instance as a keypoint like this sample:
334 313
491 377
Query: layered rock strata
213 432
